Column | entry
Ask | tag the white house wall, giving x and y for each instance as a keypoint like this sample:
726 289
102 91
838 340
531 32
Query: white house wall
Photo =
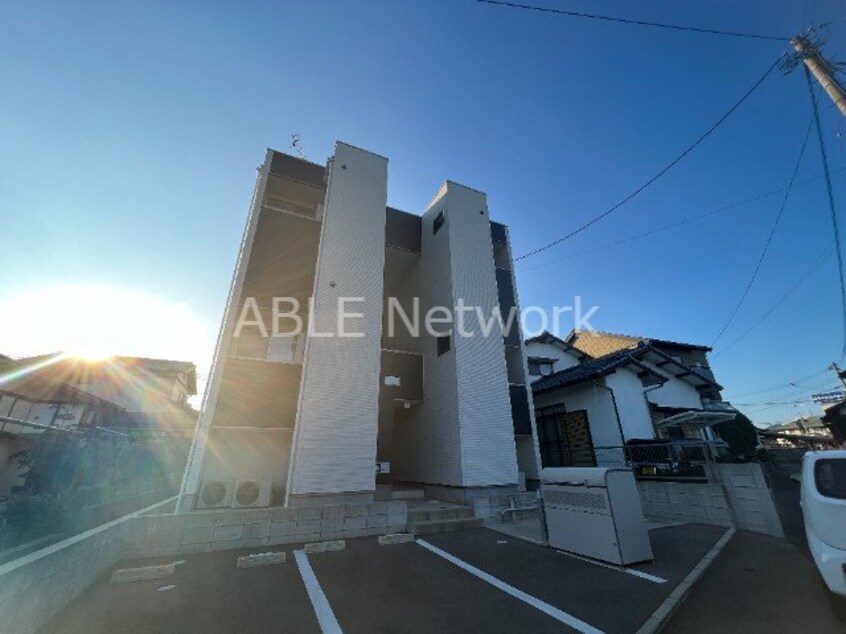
337 422
674 393
563 360
631 404
484 406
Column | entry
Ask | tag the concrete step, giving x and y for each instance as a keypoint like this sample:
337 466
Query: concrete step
443 526
434 515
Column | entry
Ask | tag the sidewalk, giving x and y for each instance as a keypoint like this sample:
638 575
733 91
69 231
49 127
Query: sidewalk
757 584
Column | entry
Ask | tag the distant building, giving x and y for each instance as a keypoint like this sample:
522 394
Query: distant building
31 404
151 393
317 417
799 431
594 392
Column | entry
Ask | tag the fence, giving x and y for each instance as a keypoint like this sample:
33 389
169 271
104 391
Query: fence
677 461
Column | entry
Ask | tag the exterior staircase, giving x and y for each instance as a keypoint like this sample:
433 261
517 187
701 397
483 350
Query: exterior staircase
426 517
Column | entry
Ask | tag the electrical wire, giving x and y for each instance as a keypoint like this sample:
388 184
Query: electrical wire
766 248
663 171
674 225
608 18
835 225
800 280
794 382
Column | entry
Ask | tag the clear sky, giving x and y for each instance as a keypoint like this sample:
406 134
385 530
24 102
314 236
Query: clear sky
130 133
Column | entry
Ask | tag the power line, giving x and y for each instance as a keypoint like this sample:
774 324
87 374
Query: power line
837 243
801 279
679 223
661 25
769 238
663 171
794 382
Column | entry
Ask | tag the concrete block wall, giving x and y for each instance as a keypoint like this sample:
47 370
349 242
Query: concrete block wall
740 497
207 531
36 586
685 502
750 498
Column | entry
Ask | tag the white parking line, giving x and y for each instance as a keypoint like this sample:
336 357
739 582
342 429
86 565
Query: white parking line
558 615
325 617
629 571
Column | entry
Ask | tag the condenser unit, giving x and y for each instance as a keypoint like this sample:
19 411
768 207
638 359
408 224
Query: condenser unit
215 494
251 493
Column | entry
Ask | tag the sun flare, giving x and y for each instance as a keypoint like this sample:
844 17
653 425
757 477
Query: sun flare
94 322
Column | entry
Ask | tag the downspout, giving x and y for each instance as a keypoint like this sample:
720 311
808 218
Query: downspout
649 409
616 412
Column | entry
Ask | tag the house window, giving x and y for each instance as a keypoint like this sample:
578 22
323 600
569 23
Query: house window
540 367
564 438
438 222
444 344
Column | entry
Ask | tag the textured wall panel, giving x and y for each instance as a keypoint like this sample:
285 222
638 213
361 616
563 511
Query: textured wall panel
487 433
335 436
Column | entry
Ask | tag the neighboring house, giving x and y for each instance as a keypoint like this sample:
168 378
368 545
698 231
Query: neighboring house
315 417
593 393
808 429
151 393
835 419
30 404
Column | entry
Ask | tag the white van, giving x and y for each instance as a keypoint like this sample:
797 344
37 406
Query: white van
824 509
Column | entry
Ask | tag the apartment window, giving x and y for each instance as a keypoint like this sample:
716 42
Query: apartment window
444 344
540 367
439 222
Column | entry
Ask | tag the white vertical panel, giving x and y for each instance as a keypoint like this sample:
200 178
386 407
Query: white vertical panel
488 451
337 422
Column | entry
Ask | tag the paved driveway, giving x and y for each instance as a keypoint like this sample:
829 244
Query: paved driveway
476 580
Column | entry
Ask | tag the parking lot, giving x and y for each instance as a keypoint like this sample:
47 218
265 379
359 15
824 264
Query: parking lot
451 582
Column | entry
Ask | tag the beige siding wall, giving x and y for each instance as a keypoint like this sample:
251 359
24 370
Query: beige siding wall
335 434
484 407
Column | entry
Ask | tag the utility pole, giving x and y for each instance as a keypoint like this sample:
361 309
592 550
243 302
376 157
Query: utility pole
820 68
840 374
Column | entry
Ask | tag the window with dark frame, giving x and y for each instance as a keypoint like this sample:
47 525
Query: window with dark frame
564 438
444 344
540 367
438 222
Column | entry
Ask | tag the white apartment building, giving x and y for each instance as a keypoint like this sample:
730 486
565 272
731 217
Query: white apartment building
316 417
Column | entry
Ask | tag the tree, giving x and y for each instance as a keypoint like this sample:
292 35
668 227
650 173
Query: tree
740 434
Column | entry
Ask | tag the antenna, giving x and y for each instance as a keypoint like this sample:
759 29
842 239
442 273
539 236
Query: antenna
295 144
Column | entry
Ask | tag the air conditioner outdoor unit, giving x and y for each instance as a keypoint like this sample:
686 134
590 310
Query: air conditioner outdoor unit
215 494
251 493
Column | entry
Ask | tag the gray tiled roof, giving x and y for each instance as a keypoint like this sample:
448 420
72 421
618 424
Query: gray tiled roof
590 370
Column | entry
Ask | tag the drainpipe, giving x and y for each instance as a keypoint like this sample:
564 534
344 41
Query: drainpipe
616 412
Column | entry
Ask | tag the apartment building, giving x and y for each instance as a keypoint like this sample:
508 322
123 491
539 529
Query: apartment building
321 387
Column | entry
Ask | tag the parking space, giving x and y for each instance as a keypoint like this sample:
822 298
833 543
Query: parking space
451 582
209 595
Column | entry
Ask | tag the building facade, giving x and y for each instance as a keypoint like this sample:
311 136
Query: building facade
322 386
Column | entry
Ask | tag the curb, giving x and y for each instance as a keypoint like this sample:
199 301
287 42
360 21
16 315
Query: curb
668 606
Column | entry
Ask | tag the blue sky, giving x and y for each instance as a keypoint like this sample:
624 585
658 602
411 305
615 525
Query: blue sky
130 133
